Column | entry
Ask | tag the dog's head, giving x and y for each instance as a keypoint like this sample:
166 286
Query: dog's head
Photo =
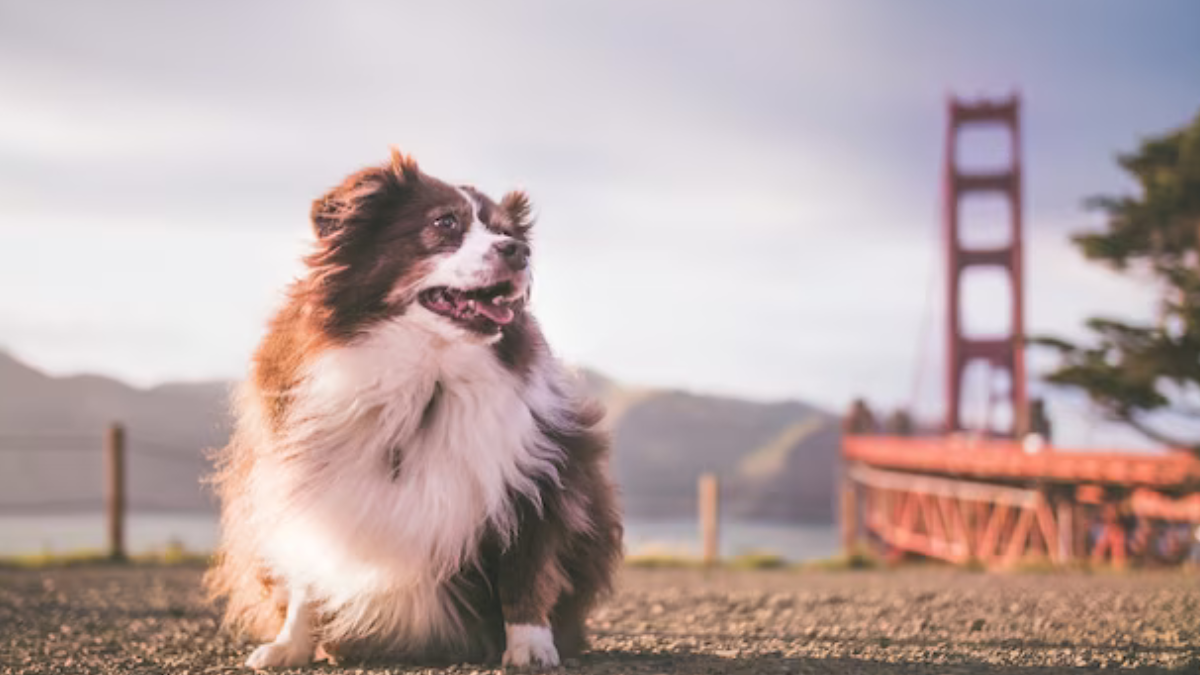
395 242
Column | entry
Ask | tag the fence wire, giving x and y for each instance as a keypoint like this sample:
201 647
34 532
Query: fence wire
71 444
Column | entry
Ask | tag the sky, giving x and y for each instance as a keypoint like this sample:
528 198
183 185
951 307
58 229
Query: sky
739 198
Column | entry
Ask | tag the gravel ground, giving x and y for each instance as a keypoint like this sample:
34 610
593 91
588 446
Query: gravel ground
153 620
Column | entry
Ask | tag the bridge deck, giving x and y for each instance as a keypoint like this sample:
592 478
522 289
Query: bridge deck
998 460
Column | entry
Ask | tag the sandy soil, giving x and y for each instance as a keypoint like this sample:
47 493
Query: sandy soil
154 620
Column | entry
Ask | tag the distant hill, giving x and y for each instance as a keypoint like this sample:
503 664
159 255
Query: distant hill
51 432
776 460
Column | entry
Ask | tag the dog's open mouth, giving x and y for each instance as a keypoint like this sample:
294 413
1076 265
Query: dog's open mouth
483 310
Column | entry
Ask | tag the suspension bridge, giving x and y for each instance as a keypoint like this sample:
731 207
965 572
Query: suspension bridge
1002 492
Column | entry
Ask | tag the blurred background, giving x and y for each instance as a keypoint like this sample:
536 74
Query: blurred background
739 221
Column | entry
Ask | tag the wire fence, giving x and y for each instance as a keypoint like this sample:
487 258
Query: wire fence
75 445
96 483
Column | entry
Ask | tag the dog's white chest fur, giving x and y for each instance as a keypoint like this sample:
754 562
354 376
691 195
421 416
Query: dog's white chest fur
372 538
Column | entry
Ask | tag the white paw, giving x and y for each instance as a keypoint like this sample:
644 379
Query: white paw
529 645
279 655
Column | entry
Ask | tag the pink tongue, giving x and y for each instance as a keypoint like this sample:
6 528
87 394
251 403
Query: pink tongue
501 314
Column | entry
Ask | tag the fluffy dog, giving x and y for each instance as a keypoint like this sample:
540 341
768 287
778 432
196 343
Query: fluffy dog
412 475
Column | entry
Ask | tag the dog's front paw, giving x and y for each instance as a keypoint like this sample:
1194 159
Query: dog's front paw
280 655
529 645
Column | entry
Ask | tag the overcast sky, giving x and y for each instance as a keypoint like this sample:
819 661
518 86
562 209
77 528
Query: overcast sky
734 197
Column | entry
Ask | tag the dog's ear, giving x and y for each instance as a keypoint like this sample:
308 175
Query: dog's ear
326 214
404 167
350 201
519 210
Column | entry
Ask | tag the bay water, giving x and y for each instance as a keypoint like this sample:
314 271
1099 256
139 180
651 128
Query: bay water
149 532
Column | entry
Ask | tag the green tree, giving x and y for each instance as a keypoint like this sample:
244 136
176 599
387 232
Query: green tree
1145 375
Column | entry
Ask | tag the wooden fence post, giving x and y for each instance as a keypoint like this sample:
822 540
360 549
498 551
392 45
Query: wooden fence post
849 514
709 517
114 498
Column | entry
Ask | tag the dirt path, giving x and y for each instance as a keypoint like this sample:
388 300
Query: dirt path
153 620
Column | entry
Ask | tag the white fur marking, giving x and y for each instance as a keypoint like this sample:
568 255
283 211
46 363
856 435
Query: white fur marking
374 550
529 645
472 265
294 644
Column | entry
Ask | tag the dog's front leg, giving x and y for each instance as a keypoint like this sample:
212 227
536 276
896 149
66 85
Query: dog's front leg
530 584
294 644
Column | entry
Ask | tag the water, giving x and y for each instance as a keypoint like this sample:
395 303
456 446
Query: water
197 532
793 541
67 533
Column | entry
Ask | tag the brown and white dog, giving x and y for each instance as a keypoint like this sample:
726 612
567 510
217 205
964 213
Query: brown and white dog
412 474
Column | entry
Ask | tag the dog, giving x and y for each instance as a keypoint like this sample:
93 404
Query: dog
412 474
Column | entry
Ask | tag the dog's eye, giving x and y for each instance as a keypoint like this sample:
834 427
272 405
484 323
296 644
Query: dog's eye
446 222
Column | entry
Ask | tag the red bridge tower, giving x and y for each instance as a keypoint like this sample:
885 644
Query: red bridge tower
1003 353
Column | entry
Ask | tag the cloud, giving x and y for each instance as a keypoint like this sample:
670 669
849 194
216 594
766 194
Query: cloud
743 199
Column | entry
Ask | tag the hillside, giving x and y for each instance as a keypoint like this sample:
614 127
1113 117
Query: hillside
776 460
51 430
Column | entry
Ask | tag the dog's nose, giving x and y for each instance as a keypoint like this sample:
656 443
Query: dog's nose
515 253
